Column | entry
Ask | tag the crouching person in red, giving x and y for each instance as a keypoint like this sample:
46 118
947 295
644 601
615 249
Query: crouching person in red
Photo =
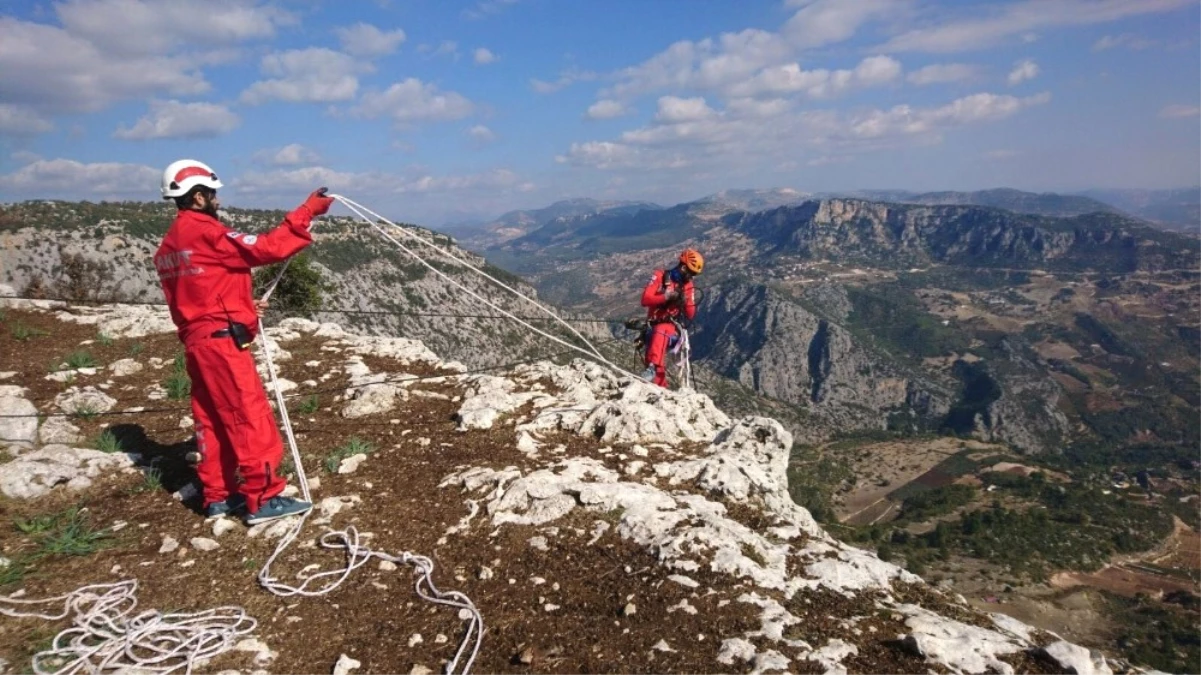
204 268
668 297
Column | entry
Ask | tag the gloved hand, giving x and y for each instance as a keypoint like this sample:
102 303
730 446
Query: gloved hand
317 203
670 295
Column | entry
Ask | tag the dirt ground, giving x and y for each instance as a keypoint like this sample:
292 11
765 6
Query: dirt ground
558 610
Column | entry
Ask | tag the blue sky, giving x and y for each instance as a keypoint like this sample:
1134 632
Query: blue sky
437 111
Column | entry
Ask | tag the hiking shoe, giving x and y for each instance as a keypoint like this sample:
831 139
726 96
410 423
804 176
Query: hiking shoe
277 507
649 374
233 505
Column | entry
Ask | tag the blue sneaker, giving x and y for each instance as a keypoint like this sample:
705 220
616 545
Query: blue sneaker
649 374
233 505
277 507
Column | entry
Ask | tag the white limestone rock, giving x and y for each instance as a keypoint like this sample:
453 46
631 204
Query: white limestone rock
1076 659
346 664
85 399
351 464
37 473
17 430
58 430
124 367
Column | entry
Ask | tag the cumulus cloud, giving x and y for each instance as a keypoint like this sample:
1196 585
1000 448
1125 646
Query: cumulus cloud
448 48
284 182
1024 70
940 73
161 26
292 154
690 133
1125 40
18 120
481 134
820 83
66 177
821 22
315 75
486 8
606 109
367 41
414 101
1177 111
50 70
172 119
483 56
566 79
1016 19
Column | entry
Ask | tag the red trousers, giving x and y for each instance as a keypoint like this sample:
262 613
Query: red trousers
662 335
236 432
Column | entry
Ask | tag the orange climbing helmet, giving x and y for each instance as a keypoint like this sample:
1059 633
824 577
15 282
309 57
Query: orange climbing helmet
692 261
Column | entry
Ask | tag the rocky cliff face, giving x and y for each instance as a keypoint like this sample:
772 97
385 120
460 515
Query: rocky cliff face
571 479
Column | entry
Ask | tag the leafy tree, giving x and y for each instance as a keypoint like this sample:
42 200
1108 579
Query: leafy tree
300 292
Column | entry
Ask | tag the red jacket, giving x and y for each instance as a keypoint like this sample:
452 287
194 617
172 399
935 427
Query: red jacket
657 308
204 268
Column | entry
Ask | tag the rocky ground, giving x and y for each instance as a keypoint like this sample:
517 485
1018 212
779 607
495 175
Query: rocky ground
599 525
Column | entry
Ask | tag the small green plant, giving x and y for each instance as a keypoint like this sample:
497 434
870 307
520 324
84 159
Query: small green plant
136 348
73 535
104 339
178 384
86 411
13 573
353 446
36 524
80 359
107 442
287 467
152 481
22 332
308 406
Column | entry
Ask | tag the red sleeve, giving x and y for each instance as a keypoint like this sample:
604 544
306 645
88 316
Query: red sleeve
652 295
689 301
239 250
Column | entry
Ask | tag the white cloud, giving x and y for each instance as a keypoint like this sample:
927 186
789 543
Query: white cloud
486 8
1015 19
292 181
939 73
606 109
289 155
172 119
160 26
315 75
65 177
674 110
566 79
1125 40
50 70
750 132
483 56
448 48
823 22
1177 111
481 134
709 64
414 101
18 120
367 41
821 83
1024 70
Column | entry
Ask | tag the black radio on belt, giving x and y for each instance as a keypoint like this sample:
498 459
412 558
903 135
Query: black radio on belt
239 332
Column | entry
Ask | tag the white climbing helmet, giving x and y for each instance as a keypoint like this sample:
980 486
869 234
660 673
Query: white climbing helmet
186 174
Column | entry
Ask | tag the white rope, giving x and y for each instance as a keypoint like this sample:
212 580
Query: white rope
683 355
350 203
498 308
106 636
348 539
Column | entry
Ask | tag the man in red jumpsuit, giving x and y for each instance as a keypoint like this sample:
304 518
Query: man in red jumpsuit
667 298
204 268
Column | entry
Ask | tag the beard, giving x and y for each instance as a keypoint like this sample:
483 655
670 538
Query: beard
209 208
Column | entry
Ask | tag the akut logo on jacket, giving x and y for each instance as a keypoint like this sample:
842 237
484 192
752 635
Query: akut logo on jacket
176 264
